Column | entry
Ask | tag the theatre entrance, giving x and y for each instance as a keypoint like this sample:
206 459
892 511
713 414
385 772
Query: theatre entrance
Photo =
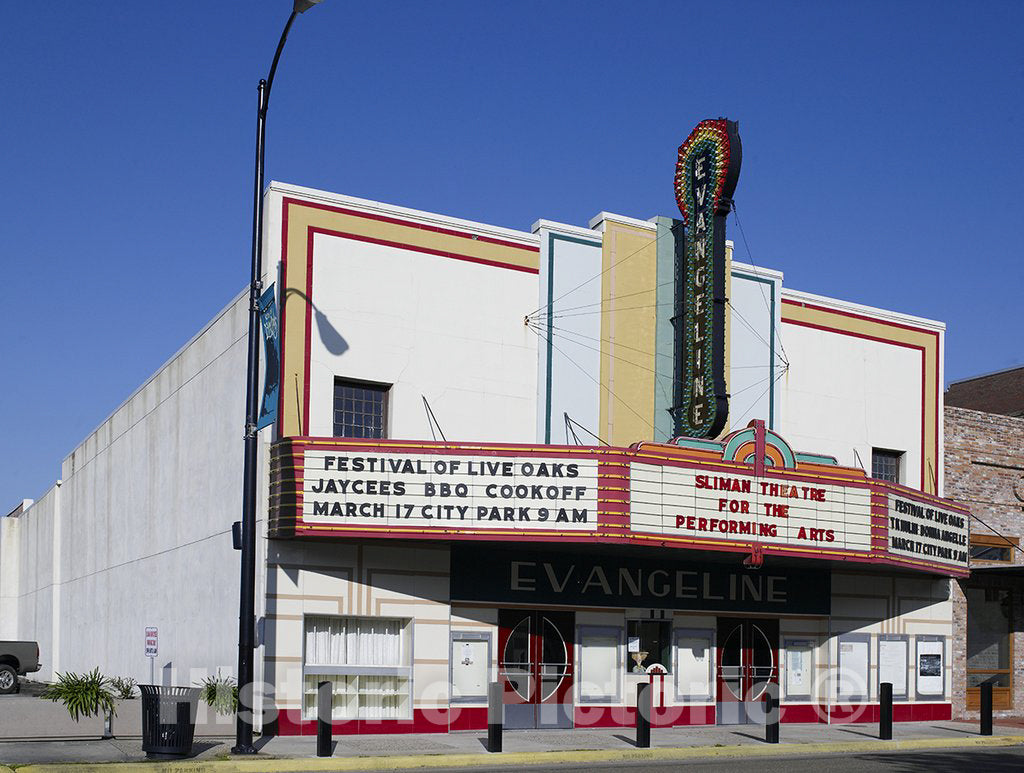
535 664
748 660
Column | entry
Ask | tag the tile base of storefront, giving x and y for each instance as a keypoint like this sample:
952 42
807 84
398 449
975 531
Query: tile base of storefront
901 712
290 722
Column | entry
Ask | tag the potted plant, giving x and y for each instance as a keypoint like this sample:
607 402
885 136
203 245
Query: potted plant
124 687
219 693
85 695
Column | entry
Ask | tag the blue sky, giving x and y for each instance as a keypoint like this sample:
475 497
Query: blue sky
882 160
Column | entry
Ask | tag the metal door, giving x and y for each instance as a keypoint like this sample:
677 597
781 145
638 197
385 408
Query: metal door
748 660
535 663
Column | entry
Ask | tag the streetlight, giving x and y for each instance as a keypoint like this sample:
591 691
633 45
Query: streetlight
247 594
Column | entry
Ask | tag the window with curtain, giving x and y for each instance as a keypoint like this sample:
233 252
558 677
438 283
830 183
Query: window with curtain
367 661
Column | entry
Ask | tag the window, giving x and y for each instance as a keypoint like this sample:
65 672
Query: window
885 465
991 547
989 645
648 642
360 409
600 660
367 661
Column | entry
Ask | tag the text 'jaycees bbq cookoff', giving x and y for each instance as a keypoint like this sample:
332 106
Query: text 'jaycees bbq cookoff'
548 487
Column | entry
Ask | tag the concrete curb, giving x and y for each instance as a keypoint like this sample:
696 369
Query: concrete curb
398 762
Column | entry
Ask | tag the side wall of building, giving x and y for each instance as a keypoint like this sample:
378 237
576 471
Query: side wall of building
139 531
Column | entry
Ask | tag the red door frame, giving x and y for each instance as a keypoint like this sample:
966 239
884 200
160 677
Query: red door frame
540 624
751 631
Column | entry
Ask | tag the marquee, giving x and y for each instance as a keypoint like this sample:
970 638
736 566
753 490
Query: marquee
749 493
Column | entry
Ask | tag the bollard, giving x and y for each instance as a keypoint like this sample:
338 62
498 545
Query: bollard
885 711
495 715
108 725
324 712
986 708
771 711
643 716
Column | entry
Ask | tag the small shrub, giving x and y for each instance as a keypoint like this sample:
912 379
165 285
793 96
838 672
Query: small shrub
220 693
124 687
85 695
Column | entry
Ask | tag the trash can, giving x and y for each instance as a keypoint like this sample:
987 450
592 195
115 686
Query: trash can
168 720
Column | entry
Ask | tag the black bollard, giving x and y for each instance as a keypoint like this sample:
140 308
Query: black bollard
643 716
885 711
771 713
986 708
495 715
324 711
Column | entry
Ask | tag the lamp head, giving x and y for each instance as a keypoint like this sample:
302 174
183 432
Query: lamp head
301 6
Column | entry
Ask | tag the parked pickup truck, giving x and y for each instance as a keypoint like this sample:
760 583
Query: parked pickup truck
16 657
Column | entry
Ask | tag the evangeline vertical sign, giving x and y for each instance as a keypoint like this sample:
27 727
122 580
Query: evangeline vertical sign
271 359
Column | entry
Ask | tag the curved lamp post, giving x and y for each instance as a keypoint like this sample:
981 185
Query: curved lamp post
247 595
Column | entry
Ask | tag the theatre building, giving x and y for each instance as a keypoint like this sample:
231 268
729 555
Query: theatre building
475 475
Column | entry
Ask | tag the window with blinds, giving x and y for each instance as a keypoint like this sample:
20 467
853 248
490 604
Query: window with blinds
367 661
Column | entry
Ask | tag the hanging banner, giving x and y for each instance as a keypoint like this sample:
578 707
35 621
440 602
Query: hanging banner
271 359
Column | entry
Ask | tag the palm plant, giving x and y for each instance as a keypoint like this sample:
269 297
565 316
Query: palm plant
83 695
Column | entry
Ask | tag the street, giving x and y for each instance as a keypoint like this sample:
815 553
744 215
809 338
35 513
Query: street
942 761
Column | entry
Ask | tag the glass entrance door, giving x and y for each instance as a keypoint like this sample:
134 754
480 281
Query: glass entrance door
535 663
748 658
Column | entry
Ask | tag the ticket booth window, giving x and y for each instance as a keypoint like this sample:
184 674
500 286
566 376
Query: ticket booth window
989 646
648 642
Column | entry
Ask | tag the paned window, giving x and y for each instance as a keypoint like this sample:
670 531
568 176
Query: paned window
367 661
991 547
648 642
360 409
885 465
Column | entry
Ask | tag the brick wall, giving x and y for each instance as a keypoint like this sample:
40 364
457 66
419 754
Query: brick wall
984 463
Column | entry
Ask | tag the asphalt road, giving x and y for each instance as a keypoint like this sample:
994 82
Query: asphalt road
999 760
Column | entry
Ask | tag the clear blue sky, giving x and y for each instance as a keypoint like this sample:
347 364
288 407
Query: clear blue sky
882 157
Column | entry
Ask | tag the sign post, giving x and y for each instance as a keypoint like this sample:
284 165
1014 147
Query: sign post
151 651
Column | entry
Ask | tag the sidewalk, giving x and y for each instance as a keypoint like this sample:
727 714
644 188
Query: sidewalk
521 748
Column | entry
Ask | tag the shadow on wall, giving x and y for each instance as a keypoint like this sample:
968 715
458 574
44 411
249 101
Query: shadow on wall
334 342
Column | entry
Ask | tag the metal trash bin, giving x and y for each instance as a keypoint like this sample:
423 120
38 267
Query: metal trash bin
168 720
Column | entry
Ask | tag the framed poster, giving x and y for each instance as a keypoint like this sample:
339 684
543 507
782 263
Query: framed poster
470 666
799 668
694 654
853 664
893 661
930 667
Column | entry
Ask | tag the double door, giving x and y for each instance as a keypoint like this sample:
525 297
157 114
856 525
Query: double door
535 664
748 661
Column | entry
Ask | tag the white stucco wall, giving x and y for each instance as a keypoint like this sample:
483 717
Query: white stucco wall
448 330
846 394
10 559
569 330
755 359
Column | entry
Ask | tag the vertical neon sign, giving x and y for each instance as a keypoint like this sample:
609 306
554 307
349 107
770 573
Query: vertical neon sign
706 175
